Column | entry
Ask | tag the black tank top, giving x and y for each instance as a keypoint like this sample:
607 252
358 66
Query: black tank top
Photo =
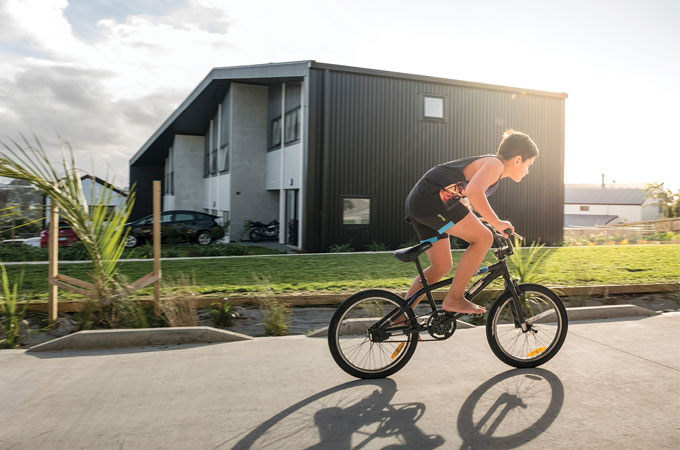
449 173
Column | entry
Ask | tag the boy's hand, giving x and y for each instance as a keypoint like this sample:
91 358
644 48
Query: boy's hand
502 225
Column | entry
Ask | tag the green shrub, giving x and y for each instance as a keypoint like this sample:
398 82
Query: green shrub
221 313
341 248
16 253
377 247
527 261
11 314
661 236
74 252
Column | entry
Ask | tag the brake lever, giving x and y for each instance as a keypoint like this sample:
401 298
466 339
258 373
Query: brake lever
509 232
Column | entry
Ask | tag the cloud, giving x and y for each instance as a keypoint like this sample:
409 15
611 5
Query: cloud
72 102
105 95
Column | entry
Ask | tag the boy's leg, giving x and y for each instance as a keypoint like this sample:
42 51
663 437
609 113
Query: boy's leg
440 265
480 239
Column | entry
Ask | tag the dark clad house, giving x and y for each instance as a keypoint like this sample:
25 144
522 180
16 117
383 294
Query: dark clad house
332 151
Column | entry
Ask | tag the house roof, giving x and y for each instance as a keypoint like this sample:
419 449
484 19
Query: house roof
195 112
608 194
104 183
587 220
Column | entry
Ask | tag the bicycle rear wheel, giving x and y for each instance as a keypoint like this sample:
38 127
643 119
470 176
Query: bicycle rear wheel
547 319
356 350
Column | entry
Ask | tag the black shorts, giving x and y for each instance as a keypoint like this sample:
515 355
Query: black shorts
432 210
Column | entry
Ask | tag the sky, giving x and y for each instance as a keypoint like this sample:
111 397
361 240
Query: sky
105 74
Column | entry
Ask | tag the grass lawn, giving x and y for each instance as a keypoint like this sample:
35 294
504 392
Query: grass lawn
344 273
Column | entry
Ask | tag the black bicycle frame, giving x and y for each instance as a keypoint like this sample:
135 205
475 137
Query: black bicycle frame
499 269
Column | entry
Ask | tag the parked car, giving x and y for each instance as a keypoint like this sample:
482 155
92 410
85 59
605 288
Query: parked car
66 235
180 225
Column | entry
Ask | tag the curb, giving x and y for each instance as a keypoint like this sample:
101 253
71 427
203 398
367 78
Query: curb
573 314
138 337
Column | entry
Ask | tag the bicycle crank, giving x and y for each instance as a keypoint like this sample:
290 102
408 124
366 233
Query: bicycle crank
441 325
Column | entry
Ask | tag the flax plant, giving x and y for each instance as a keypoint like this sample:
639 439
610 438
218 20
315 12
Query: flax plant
12 315
102 233
527 261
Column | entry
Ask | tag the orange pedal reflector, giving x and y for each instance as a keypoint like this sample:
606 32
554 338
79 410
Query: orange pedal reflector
534 353
396 352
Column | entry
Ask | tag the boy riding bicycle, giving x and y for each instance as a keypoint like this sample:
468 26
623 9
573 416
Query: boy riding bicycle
437 207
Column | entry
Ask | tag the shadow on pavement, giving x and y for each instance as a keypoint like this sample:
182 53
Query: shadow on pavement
347 416
510 409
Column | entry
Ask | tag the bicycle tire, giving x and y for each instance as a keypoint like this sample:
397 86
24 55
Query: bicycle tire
552 323
352 322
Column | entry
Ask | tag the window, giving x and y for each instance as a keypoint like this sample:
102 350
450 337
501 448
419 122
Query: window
356 211
110 210
434 107
292 126
185 217
585 208
165 218
206 155
276 133
213 148
224 158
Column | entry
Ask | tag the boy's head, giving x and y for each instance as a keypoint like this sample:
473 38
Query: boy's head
516 143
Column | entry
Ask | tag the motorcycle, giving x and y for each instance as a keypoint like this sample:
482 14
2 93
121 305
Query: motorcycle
259 231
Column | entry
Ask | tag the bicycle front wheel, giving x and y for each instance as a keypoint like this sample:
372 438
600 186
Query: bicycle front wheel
547 321
364 354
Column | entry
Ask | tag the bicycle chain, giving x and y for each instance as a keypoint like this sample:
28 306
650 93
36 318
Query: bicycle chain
424 328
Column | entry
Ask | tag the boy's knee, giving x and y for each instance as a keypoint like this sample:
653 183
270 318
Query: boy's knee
485 238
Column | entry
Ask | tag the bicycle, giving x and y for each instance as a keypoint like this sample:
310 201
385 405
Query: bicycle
374 333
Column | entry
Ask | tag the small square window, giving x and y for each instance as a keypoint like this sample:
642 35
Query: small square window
434 107
356 211
585 208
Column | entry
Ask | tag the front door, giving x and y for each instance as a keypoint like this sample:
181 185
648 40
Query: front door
291 225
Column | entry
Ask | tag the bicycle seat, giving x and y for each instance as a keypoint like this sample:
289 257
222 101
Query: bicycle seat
410 254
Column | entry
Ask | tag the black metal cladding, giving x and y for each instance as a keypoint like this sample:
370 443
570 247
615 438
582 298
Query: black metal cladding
368 138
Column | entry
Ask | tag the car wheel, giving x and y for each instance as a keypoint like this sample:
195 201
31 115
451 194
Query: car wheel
131 241
204 238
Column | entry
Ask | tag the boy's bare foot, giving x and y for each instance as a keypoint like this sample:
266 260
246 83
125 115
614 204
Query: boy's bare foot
462 306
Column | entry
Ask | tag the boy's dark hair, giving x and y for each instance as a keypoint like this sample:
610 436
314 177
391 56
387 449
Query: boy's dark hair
516 143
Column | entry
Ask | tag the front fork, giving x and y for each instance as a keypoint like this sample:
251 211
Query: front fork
516 304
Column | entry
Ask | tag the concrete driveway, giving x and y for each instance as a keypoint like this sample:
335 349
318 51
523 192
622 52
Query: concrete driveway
614 385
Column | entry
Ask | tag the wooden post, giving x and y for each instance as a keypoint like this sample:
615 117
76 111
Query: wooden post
157 243
53 270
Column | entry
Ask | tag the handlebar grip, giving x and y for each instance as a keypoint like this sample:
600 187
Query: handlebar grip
508 231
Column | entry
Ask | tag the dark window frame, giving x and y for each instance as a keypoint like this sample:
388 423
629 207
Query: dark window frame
224 165
371 206
423 118
296 136
275 137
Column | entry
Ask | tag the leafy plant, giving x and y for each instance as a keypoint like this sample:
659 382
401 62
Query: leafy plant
101 231
527 260
341 248
377 247
222 313
11 314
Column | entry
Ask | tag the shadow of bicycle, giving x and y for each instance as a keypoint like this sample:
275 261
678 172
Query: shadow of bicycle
358 414
510 409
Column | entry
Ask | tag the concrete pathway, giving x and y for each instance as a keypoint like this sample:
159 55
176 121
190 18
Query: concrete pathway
614 385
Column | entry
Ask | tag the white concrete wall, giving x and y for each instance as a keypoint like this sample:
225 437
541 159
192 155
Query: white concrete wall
274 170
188 170
292 164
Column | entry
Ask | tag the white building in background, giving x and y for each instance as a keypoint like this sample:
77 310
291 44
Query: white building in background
92 189
588 205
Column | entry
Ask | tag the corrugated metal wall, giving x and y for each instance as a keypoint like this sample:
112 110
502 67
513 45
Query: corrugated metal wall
368 137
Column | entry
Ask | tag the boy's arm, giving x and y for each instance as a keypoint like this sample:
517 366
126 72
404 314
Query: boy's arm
486 175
